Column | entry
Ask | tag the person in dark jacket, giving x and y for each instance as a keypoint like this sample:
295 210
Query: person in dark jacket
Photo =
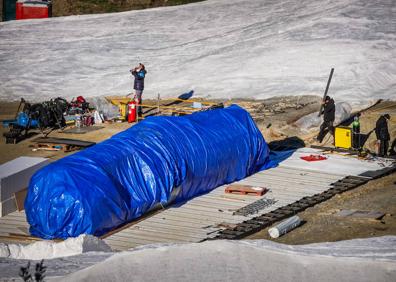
139 73
356 132
328 118
382 133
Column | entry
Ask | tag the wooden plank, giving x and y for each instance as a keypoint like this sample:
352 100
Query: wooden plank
193 218
282 167
123 237
219 202
172 228
121 246
181 218
206 216
177 222
199 209
217 215
20 199
288 166
9 229
165 230
125 242
266 178
209 207
147 215
147 234
54 140
20 214
14 221
316 180
289 179
303 187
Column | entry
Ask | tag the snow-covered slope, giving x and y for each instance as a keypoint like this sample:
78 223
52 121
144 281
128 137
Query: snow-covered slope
372 259
219 48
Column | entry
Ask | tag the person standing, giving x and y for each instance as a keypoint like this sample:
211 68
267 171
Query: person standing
382 133
356 132
328 118
139 74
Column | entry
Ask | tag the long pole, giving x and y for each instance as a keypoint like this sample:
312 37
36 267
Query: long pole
325 93
158 104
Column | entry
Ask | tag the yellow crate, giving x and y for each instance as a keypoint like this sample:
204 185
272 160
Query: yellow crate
123 110
343 137
117 100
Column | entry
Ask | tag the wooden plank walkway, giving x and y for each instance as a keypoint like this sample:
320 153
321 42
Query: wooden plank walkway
203 216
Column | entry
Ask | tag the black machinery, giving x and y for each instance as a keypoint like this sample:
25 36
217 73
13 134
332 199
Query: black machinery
42 116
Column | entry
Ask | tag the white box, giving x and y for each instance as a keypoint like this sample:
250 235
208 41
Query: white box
15 175
8 206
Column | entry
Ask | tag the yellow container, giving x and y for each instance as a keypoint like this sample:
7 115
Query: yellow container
343 137
123 110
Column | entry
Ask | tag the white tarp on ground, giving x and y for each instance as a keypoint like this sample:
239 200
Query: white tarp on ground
312 121
336 163
49 249
218 48
372 259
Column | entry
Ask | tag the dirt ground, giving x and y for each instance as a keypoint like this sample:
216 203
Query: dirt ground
322 224
275 117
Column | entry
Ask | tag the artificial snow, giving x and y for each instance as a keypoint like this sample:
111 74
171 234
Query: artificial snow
371 259
49 249
251 261
219 49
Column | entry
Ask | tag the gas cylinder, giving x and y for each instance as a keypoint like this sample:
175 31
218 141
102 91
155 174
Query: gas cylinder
132 111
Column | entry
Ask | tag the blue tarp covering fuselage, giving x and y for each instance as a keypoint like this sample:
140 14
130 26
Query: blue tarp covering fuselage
159 160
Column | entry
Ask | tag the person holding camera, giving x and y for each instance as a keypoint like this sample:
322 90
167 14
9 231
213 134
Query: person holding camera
139 74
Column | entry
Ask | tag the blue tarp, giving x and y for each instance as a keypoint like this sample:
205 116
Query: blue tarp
159 160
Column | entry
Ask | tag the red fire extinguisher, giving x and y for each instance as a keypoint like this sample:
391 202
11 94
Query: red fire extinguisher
132 111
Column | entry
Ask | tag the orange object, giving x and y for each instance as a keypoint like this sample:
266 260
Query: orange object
246 190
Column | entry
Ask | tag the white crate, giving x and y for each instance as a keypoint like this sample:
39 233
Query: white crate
15 175
8 206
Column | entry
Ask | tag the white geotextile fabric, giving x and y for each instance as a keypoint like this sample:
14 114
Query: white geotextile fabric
372 259
219 48
336 163
357 260
50 249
